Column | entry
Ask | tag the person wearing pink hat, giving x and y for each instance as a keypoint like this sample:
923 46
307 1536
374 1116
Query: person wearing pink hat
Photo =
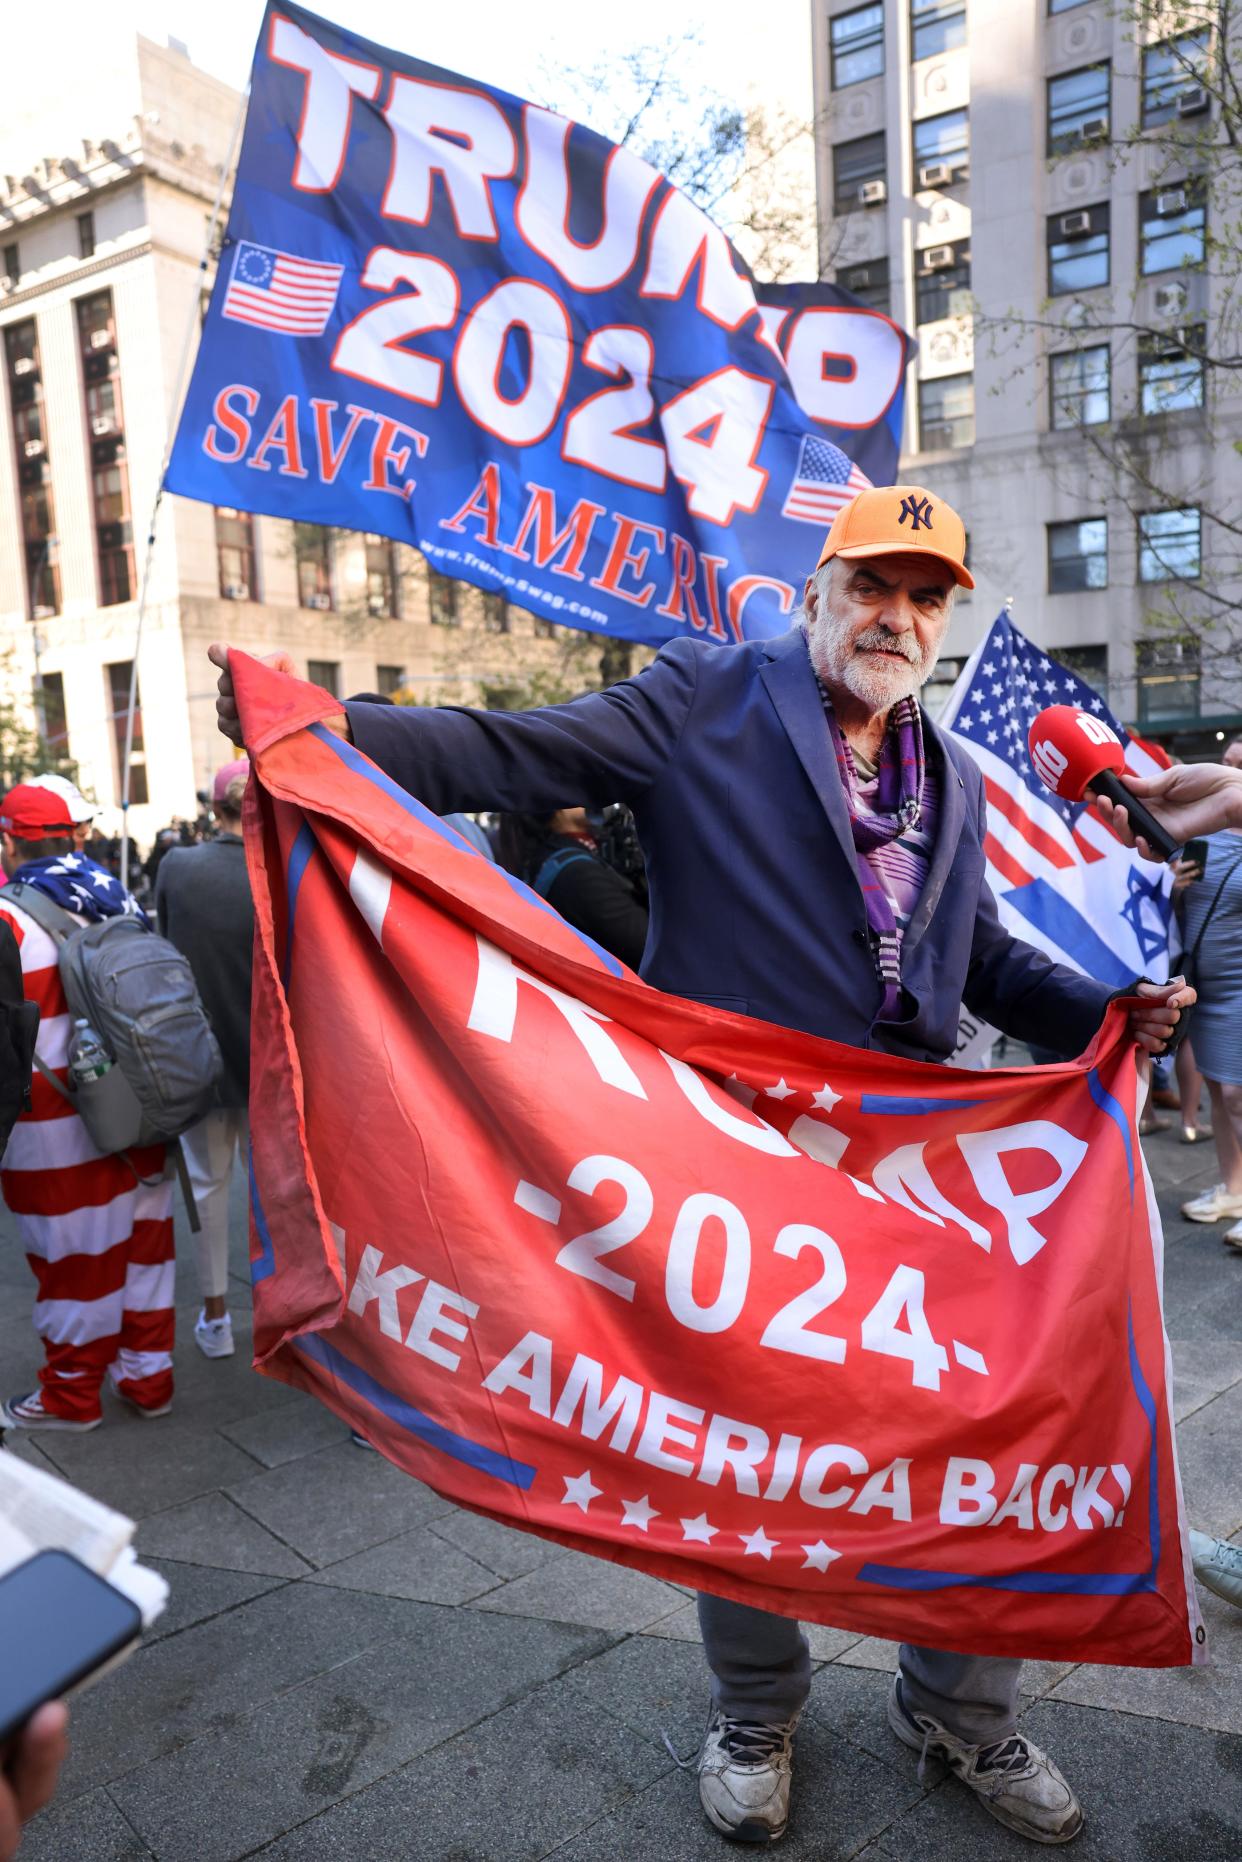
203 902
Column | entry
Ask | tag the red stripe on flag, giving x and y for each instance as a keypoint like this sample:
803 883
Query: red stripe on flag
1007 867
1008 805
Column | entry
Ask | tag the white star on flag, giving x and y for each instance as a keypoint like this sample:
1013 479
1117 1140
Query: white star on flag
700 1529
758 1544
638 1513
779 1091
825 1099
580 1490
818 1556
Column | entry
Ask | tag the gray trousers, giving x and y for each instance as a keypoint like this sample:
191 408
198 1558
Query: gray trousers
761 1670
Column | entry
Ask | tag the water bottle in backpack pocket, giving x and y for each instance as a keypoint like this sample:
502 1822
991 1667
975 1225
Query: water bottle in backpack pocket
103 1098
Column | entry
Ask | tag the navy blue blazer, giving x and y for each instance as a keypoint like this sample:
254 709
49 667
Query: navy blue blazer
724 757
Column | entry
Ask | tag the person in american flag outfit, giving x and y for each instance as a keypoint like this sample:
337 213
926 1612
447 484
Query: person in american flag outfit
97 1229
814 853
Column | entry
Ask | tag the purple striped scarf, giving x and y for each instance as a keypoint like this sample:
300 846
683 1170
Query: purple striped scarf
899 802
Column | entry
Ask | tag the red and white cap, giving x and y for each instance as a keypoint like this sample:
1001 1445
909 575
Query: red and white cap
32 812
80 810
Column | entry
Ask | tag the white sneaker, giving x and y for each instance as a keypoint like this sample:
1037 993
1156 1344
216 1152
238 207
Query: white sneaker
1218 1566
214 1337
1214 1205
745 1771
1234 1236
27 1412
1014 1781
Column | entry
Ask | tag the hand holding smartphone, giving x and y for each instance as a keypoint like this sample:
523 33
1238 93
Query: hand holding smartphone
60 1627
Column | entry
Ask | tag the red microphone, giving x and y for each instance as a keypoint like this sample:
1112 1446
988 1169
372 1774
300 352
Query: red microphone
1074 752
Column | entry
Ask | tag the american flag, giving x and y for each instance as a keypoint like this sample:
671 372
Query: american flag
280 292
824 480
1062 880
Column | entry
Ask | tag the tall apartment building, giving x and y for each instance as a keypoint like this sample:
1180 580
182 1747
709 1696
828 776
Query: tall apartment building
100 247
966 154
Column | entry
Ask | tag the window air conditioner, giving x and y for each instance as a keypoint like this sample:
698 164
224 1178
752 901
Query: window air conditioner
1174 201
1193 102
1074 223
937 257
8 283
873 193
319 601
101 339
236 591
102 425
1170 352
24 365
33 449
1169 299
376 605
1095 129
935 174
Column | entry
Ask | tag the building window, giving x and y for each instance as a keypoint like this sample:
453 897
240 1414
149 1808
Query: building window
442 599
1090 664
1169 545
1078 108
118 677
1078 555
1173 78
1077 250
946 412
869 283
325 672
86 235
381 575
11 261
1168 679
1170 376
312 552
496 613
101 387
235 554
941 149
936 26
942 282
857 41
49 698
1064 6
25 377
1079 387
389 680
1172 227
858 173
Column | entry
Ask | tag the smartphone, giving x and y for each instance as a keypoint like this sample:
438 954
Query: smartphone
60 1626
1196 850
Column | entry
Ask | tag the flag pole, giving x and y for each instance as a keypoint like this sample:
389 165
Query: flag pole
144 586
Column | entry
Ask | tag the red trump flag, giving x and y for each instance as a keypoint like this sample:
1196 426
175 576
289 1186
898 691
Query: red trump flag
848 1337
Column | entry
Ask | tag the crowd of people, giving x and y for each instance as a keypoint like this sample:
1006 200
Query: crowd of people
811 929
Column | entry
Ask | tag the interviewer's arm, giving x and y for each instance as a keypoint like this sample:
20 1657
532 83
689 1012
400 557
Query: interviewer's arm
1190 800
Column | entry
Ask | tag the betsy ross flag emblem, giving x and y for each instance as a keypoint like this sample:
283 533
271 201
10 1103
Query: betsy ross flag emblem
825 479
277 291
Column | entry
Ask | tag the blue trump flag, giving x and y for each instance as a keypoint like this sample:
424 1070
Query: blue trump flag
460 320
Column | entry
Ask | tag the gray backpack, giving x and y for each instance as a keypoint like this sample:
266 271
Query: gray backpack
138 994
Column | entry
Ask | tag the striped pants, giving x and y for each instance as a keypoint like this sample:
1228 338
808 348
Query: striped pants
100 1246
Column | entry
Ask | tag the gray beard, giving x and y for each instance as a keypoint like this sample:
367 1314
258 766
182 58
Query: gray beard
879 689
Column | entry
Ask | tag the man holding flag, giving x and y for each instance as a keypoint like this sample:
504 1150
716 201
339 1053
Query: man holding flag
815 854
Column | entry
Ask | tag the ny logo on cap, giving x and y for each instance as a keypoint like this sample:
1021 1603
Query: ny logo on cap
918 510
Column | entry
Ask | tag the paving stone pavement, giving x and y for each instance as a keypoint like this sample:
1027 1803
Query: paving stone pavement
353 1670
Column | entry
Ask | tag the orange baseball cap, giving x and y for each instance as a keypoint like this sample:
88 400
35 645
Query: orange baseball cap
899 520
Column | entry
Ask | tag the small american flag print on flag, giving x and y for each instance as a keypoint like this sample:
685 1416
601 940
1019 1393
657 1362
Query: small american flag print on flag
277 291
824 480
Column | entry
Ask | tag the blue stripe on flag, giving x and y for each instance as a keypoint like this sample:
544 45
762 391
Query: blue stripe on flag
892 1104
299 856
1104 1099
265 1266
1051 1583
474 1454
1045 908
412 806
